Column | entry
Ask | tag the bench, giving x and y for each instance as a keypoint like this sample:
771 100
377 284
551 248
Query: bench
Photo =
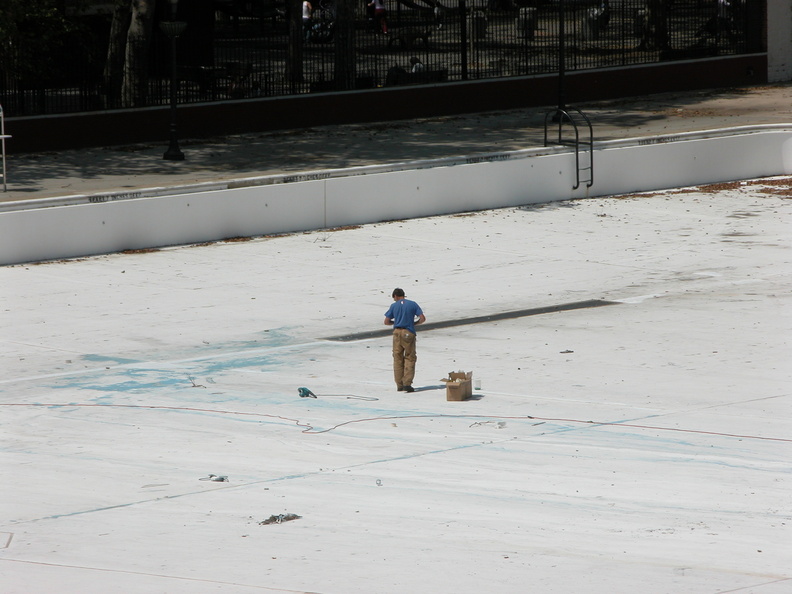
327 86
229 79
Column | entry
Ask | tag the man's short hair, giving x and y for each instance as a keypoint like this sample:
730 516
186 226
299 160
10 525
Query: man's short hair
398 293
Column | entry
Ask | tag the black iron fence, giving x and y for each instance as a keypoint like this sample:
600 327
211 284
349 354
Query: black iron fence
257 48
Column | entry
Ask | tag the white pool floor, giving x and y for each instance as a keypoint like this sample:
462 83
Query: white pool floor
643 446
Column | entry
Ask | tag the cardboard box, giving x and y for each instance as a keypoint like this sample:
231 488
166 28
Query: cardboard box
459 385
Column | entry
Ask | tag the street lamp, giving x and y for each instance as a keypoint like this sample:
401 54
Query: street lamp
559 115
172 29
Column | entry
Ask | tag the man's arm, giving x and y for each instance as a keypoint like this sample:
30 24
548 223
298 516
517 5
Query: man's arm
388 321
421 319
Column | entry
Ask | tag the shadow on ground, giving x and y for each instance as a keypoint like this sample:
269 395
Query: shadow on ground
248 155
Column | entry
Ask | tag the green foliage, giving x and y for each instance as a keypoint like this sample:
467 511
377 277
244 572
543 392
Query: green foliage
34 34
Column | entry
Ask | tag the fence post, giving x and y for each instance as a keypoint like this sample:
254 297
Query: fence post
463 34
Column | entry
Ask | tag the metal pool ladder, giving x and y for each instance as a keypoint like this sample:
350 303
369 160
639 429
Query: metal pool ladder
584 149
3 137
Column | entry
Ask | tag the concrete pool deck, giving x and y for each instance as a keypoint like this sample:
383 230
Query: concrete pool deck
128 168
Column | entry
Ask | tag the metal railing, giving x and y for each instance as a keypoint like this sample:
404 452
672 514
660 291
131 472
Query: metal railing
3 138
255 55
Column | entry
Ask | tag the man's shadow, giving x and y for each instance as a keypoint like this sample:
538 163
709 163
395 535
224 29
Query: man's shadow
474 396
427 388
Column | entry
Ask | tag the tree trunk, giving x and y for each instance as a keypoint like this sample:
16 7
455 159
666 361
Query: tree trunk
655 34
134 89
345 65
113 76
294 65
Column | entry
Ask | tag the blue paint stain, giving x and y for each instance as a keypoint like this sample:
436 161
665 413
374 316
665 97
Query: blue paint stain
135 380
217 366
145 377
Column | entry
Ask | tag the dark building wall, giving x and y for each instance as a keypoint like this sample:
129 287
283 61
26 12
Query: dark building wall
59 132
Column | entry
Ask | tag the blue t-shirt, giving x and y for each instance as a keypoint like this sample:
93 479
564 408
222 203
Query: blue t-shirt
403 314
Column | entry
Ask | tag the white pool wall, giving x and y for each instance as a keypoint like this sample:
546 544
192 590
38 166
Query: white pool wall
76 226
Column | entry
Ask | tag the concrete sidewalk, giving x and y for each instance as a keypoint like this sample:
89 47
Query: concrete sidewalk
122 168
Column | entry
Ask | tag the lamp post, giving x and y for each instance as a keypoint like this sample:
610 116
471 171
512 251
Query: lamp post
559 115
172 29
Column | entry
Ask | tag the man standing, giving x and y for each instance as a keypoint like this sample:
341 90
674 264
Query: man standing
404 315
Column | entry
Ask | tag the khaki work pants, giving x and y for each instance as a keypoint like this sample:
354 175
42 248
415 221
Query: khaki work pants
404 357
